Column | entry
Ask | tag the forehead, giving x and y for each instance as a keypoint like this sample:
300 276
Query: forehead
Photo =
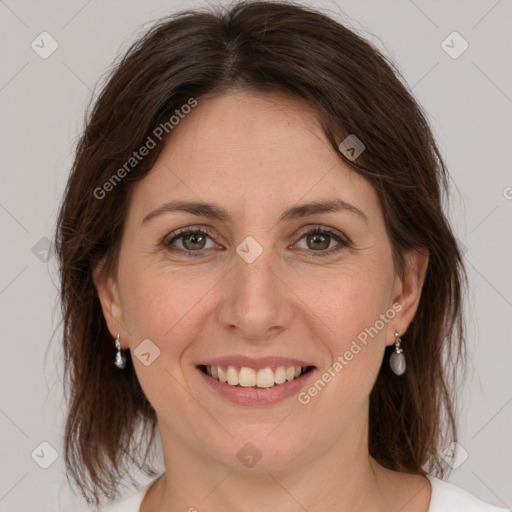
265 149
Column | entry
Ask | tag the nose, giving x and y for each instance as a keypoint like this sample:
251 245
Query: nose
256 303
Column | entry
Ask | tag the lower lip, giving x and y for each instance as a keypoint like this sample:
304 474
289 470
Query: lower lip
258 396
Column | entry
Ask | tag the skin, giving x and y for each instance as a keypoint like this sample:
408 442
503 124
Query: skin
253 155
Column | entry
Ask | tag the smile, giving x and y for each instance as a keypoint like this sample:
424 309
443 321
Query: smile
250 381
250 377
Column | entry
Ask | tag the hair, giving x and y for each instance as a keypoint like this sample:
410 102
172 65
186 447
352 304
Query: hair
258 47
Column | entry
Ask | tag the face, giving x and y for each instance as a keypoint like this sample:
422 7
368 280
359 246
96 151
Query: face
258 281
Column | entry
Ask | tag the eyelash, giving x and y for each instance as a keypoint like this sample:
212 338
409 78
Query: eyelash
206 231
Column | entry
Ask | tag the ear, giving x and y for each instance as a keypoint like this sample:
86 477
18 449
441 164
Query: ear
108 293
407 291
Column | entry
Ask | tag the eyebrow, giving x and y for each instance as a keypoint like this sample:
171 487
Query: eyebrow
212 211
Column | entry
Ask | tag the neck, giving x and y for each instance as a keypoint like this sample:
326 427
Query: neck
344 478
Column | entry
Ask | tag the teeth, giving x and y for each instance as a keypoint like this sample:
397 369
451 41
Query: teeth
265 378
249 377
232 376
222 374
246 377
280 375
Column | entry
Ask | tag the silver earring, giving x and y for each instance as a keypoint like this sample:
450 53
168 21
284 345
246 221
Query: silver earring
120 361
397 359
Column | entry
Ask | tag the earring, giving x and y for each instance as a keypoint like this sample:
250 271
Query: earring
397 359
120 361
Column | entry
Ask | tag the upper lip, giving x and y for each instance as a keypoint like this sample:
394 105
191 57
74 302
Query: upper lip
255 363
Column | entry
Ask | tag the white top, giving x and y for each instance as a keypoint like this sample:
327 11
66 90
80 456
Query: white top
445 498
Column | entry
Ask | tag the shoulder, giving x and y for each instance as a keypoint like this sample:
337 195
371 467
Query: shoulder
129 504
447 497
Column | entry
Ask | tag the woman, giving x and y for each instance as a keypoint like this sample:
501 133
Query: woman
255 260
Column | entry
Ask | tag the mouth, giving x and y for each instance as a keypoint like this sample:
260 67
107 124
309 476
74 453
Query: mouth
249 381
259 378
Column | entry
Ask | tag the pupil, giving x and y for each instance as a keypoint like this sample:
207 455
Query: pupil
323 240
194 238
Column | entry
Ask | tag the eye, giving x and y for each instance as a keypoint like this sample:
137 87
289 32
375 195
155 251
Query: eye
320 240
189 240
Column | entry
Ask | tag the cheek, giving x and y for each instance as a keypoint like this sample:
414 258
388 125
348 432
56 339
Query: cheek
353 299
162 305
354 316
158 306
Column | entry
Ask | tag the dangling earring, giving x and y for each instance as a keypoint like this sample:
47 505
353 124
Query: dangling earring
397 359
120 361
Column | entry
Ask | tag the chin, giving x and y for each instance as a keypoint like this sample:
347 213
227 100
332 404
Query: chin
263 447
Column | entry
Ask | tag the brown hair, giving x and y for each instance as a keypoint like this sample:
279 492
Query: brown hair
263 47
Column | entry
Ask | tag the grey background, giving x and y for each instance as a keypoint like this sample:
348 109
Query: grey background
42 101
